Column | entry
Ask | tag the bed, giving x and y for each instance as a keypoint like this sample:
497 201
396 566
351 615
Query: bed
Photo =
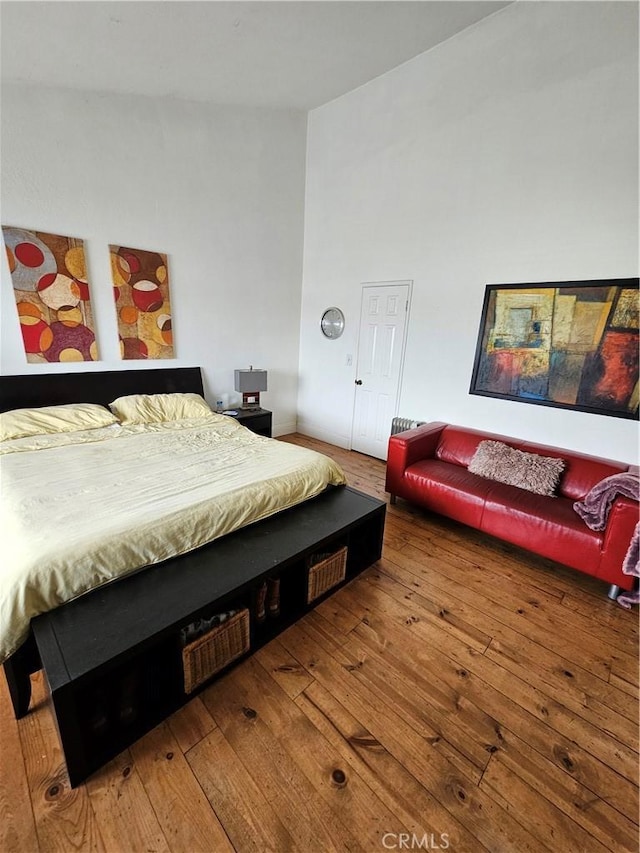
85 507
189 531
97 624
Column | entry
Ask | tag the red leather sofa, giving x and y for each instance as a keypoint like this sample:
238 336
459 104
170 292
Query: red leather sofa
428 466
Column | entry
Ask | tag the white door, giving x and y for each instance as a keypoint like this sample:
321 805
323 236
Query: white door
383 327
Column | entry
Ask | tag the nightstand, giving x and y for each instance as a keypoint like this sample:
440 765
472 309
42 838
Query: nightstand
257 420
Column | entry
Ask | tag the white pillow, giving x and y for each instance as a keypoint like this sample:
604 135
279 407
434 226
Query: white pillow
156 408
20 423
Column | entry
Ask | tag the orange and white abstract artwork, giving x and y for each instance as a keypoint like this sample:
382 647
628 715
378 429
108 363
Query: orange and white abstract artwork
141 290
51 287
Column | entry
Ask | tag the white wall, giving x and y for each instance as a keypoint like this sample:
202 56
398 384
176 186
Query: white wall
507 154
219 189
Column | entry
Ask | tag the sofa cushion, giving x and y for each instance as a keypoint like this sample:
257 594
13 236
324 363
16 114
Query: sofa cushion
548 526
447 489
581 473
457 444
530 471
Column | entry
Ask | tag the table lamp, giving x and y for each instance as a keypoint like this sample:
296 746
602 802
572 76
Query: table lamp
250 383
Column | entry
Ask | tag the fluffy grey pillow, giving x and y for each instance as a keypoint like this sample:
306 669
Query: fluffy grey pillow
498 461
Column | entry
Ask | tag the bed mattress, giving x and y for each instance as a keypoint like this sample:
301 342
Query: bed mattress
82 509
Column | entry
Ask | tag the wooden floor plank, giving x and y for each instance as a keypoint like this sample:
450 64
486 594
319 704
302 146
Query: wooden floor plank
415 808
64 818
303 812
542 818
343 790
609 750
468 728
484 575
121 805
609 618
524 618
433 718
465 544
624 686
596 817
618 724
449 619
190 724
483 570
17 824
183 811
515 607
339 616
514 565
285 670
625 666
249 821
484 683
606 704
455 725
484 818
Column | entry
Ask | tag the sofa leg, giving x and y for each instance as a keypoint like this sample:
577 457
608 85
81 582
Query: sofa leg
613 591
392 500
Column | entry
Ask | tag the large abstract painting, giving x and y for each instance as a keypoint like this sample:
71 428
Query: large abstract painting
141 289
49 277
571 345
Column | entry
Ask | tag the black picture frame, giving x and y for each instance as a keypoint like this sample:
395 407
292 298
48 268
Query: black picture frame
569 345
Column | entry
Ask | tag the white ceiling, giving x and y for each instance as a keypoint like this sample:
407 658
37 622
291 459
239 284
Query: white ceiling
293 54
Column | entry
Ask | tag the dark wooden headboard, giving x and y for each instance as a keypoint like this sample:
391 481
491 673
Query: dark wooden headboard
53 389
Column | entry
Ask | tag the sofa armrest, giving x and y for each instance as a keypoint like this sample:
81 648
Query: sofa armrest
621 523
408 447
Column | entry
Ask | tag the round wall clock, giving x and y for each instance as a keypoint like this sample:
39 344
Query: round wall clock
332 323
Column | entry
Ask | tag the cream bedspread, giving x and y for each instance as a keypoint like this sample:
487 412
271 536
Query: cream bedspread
81 509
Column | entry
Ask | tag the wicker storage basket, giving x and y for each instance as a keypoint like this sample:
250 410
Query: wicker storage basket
326 573
214 650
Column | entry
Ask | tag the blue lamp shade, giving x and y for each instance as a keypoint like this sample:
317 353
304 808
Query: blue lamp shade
250 383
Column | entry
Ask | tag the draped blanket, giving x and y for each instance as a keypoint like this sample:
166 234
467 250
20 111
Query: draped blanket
594 511
631 566
595 507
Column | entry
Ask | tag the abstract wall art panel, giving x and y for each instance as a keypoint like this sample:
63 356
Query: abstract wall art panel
141 289
571 345
49 277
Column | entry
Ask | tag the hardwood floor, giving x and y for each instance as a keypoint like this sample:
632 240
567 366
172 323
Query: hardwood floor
460 695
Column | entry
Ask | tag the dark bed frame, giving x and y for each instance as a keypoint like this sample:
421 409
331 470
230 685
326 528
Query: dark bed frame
145 611
102 387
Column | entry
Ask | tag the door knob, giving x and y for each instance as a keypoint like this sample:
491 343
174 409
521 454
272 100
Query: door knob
358 381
